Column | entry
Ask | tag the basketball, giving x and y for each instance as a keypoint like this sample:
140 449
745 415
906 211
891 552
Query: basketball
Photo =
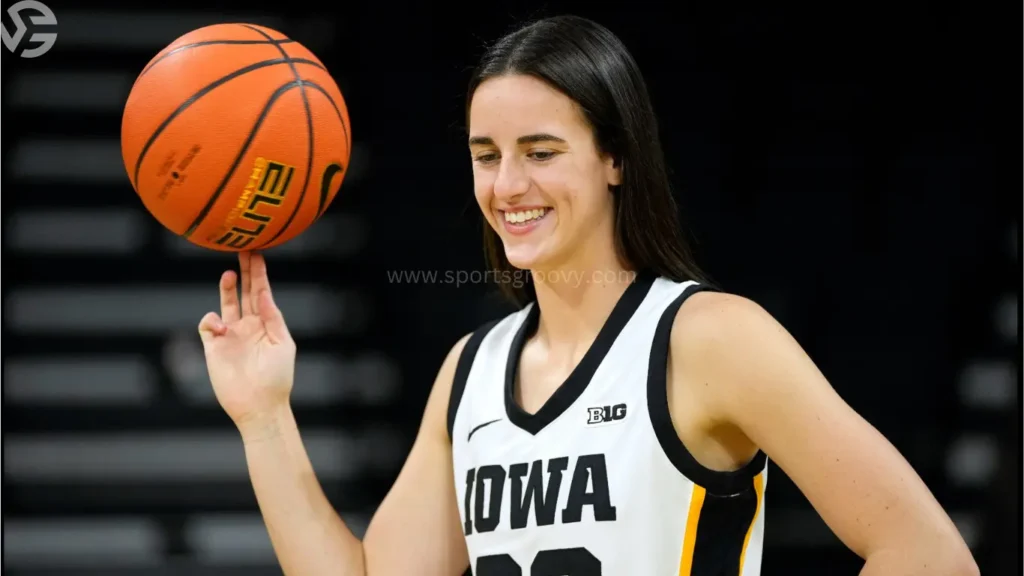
236 137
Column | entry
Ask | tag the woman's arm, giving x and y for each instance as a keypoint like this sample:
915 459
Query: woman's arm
757 387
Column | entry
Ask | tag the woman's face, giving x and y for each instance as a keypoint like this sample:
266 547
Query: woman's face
539 179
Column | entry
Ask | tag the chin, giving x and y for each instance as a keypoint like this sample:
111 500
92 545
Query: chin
521 254
522 261
530 257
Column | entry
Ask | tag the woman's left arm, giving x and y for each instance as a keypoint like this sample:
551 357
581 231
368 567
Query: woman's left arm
758 380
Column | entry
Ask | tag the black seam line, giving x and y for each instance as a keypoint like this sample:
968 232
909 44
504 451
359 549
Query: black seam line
211 43
238 159
479 426
325 182
309 135
195 98
337 111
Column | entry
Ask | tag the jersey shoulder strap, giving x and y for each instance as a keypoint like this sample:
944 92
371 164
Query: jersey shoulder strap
462 369
715 482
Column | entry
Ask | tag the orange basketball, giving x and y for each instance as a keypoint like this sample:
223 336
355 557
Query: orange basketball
236 137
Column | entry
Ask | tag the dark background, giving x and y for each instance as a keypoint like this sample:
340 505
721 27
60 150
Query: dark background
849 169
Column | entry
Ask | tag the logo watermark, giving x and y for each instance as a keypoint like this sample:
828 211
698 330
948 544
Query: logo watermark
45 17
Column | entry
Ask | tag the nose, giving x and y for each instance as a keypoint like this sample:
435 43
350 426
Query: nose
512 180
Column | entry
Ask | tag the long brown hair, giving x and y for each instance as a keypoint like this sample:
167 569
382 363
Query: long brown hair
590 65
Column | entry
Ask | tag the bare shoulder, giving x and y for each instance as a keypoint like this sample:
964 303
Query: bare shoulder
717 322
735 350
447 372
712 334
438 405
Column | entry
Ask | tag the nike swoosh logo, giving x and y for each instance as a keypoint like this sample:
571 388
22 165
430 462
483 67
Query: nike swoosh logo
473 431
325 185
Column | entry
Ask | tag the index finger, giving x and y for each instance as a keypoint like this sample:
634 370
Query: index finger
245 267
258 273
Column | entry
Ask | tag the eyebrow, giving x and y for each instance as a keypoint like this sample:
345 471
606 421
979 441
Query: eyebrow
528 139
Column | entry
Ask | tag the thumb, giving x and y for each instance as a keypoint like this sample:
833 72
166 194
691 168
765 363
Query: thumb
271 316
211 326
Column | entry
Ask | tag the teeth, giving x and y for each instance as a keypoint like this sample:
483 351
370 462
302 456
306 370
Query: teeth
525 215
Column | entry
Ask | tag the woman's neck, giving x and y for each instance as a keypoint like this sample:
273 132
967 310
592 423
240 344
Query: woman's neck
575 299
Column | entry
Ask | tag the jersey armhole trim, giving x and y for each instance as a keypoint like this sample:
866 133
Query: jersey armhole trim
713 481
462 369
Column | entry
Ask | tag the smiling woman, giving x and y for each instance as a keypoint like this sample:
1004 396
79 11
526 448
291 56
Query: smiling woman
559 119
617 426
523 218
682 403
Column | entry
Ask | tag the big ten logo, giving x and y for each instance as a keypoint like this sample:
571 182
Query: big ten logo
606 414
176 170
42 16
267 186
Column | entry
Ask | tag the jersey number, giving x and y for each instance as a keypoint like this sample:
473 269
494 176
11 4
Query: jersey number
564 562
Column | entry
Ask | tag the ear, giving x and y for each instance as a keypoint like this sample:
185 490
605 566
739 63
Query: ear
612 171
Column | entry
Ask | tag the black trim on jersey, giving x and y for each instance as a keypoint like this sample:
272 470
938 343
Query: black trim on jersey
721 531
713 481
578 380
465 363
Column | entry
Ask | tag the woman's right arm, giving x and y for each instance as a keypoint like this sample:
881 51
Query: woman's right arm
250 356
416 529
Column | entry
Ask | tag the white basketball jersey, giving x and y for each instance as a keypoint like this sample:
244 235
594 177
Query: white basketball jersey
597 482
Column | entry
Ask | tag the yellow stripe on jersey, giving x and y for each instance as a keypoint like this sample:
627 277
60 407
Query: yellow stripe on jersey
759 489
719 530
690 539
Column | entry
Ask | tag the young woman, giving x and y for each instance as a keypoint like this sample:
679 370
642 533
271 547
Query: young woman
620 423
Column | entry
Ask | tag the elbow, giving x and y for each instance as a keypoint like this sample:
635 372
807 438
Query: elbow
956 559
939 559
960 561
964 565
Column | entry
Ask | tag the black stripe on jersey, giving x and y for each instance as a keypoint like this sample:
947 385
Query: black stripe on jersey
578 380
721 532
462 371
715 482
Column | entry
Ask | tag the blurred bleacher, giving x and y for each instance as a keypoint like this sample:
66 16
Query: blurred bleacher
117 458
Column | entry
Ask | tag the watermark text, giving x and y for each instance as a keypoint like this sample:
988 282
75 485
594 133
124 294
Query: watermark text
515 278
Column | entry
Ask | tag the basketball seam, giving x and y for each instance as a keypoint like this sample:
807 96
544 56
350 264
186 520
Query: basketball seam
195 98
324 192
205 211
344 128
210 43
309 134
337 111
